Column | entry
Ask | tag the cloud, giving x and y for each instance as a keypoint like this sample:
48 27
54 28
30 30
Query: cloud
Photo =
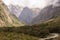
30 3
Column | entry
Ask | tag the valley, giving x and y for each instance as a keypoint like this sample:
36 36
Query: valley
31 24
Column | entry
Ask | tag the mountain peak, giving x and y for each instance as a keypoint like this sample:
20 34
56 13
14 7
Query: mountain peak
26 8
26 15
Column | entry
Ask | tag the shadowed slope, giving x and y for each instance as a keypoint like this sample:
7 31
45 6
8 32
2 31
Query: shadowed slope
6 18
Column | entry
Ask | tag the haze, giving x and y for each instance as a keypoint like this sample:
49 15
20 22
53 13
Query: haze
30 3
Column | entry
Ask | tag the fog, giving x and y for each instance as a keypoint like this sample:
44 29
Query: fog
31 3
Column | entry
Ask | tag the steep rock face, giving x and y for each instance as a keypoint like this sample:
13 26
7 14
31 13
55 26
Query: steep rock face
26 15
46 14
15 9
6 18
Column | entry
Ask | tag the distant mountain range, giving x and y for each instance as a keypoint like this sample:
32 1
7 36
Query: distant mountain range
24 14
31 16
46 14
27 15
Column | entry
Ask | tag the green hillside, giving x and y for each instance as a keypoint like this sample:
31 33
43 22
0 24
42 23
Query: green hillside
53 25
6 18
40 30
34 32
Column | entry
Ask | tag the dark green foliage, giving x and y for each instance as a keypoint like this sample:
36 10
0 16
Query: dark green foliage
30 30
16 36
41 30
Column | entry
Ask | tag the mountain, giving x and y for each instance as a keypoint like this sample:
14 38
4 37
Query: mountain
47 13
35 15
6 18
36 11
15 9
26 15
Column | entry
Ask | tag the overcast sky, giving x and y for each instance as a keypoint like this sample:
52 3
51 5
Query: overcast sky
28 3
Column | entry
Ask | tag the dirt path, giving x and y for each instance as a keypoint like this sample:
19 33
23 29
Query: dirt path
53 35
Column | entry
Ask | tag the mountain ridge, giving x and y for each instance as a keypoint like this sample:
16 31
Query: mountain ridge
47 14
6 18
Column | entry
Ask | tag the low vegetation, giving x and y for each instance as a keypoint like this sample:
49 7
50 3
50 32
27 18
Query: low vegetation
16 36
41 30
